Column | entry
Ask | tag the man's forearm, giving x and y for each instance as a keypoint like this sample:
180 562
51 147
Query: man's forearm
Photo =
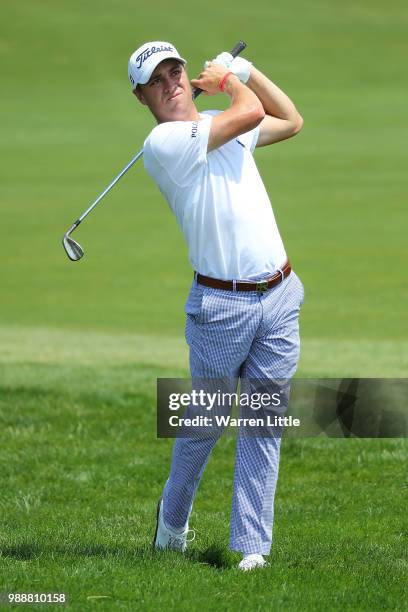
274 101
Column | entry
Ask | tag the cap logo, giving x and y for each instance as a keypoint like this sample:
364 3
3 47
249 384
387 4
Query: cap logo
146 53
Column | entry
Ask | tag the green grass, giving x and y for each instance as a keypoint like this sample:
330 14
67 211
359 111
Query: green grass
82 472
323 357
81 345
338 189
78 503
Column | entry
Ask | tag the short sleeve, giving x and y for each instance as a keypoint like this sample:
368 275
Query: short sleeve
249 139
179 148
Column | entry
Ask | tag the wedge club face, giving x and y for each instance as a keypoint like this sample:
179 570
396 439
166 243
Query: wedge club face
72 248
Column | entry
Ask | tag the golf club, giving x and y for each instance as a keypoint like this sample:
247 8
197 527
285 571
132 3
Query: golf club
72 248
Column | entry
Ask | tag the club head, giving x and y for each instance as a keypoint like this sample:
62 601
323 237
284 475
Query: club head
72 248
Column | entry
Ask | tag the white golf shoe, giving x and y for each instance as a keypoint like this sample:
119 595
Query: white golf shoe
165 537
250 562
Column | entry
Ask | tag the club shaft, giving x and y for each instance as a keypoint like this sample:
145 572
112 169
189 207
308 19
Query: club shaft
109 187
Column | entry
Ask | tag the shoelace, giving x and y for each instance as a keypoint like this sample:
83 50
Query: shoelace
178 541
194 535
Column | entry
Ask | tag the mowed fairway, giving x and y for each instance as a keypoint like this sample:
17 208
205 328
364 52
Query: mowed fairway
82 472
81 345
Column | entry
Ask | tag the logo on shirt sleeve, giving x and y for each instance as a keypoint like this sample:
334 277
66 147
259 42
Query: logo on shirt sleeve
194 129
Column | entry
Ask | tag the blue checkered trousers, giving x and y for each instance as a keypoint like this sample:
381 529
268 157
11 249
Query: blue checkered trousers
245 335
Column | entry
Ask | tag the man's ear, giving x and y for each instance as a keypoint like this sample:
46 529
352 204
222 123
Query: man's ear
138 93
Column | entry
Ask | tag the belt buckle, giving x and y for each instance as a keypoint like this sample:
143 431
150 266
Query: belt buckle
262 286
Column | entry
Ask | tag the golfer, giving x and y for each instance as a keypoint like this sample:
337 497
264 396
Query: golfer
243 306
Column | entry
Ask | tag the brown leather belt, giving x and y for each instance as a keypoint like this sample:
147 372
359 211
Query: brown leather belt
260 286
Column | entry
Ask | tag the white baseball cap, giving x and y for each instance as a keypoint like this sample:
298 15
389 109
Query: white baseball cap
144 60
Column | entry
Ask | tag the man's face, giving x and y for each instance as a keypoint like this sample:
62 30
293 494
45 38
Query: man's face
168 93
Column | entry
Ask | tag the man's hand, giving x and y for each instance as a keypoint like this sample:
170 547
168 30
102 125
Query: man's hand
238 65
282 120
224 59
210 78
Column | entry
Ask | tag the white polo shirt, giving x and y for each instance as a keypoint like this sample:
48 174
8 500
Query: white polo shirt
219 199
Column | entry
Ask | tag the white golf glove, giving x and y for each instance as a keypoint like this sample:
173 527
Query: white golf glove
241 68
224 58
238 65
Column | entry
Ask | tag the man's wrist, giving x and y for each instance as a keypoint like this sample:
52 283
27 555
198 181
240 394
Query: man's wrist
224 79
238 65
231 82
